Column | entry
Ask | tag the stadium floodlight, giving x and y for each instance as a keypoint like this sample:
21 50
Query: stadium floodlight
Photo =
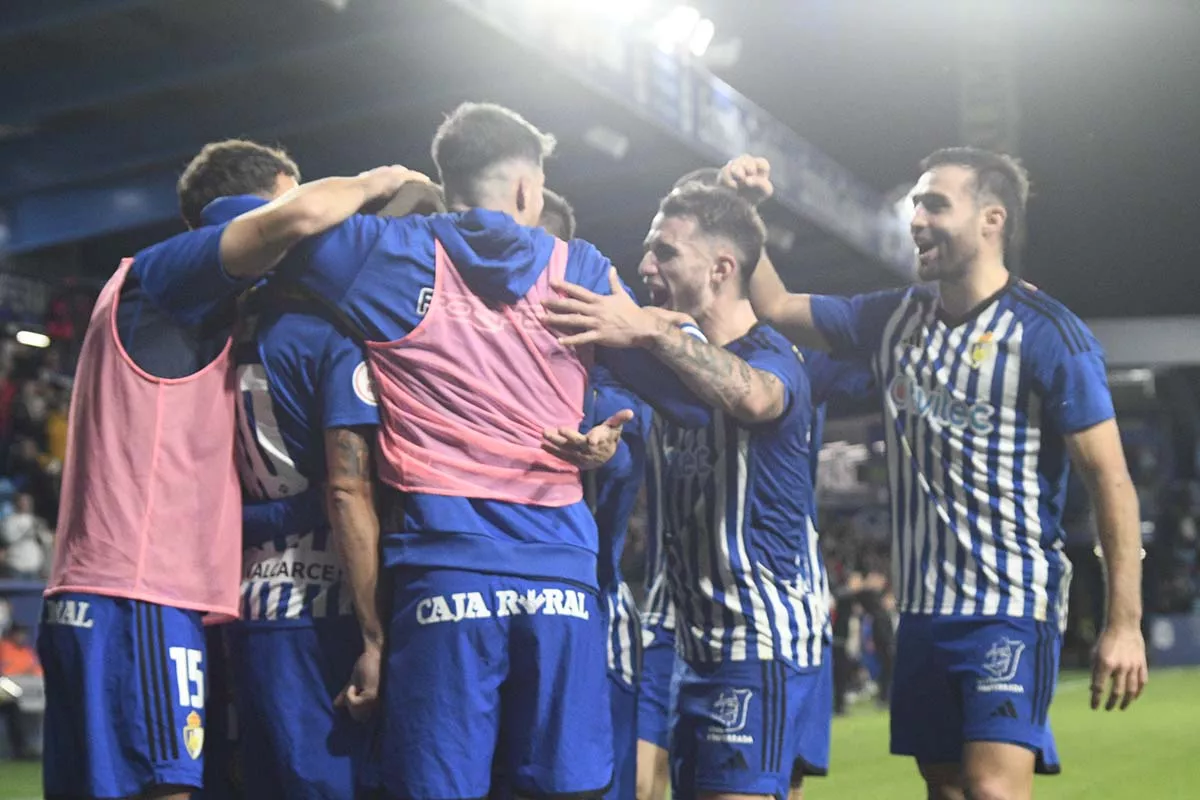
32 339
702 36
622 10
676 28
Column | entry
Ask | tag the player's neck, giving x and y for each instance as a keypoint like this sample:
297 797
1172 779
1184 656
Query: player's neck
983 280
725 321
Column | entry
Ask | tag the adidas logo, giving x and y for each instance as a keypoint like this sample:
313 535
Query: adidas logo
1007 709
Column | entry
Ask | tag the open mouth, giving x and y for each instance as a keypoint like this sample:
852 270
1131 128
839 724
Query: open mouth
658 295
927 251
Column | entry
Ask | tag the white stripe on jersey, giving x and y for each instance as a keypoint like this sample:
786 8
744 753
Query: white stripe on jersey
729 606
309 574
624 636
964 438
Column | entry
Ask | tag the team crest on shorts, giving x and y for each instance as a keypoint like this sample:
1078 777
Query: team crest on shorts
980 349
193 736
1000 663
730 710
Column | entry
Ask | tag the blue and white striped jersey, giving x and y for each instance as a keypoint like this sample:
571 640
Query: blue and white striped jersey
298 376
736 520
658 612
611 493
977 410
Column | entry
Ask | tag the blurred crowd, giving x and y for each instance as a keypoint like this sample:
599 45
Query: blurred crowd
34 398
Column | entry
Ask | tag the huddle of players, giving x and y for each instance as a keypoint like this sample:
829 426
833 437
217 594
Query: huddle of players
411 387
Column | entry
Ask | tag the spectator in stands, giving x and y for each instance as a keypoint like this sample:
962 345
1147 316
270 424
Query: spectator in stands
27 539
17 660
56 428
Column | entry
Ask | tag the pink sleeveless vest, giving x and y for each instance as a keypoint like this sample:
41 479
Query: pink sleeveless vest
151 508
465 397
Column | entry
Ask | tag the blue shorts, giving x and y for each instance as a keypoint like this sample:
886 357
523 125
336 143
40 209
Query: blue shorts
654 687
991 679
221 779
125 686
814 722
475 658
623 701
292 742
737 727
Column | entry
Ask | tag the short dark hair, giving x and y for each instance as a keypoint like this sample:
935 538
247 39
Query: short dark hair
476 137
998 177
231 167
557 206
719 211
706 176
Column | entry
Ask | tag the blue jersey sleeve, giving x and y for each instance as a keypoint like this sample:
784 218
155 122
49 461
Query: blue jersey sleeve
347 396
854 326
270 519
1073 380
783 361
183 276
331 262
835 379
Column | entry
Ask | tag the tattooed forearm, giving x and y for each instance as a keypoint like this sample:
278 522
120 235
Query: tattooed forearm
351 457
355 524
720 378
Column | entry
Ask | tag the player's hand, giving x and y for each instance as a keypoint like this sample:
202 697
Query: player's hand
361 694
611 320
749 176
382 183
590 450
1120 657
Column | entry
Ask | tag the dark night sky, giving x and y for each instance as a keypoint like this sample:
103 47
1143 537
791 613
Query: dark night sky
1109 103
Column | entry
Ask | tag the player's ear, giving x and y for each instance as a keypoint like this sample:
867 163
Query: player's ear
994 217
724 268
522 195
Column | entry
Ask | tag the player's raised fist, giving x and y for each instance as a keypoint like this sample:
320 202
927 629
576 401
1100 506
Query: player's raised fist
749 176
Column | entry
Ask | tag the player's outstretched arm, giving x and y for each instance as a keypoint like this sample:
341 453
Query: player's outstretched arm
716 376
356 530
1120 655
255 242
787 312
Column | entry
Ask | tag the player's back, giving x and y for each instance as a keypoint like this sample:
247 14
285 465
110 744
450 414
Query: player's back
415 289
287 357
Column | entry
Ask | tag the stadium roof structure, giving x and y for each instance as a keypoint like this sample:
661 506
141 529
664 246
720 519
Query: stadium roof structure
103 101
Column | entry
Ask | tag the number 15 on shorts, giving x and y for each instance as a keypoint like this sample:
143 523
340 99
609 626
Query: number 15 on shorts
189 676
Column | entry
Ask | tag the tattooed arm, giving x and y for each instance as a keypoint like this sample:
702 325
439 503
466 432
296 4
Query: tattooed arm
352 516
355 526
716 376
720 378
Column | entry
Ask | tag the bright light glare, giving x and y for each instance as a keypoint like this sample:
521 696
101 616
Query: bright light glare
676 28
702 36
623 10
33 339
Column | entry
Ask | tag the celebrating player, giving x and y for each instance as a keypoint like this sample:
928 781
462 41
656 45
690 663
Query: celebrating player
496 629
742 560
149 535
990 388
